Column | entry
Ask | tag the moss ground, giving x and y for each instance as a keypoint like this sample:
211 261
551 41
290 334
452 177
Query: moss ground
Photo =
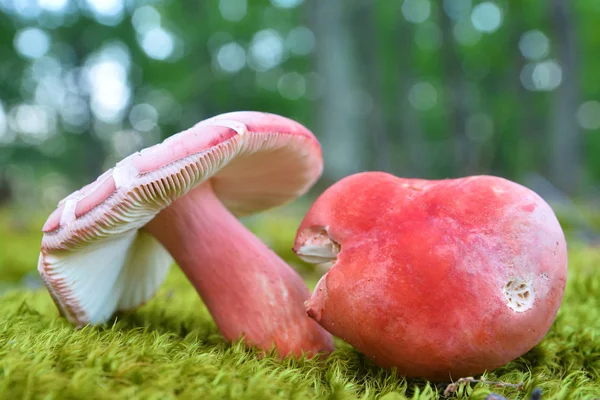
170 348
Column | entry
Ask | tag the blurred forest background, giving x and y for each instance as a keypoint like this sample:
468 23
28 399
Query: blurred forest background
421 88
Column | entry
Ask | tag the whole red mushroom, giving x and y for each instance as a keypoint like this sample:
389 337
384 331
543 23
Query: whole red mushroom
440 279
108 247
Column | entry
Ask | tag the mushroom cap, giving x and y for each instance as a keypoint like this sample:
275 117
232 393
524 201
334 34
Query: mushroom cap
94 258
440 279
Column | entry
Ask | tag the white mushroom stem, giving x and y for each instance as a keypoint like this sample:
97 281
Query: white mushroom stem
247 288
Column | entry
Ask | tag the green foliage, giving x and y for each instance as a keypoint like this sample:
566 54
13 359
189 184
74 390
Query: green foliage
482 118
170 348
19 244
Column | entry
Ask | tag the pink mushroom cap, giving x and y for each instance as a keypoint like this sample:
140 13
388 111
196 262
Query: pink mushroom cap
108 246
440 279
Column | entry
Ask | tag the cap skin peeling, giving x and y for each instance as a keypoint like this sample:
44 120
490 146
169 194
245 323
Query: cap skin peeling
109 245
441 279
317 247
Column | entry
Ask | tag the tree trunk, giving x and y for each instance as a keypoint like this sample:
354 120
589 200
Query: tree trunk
92 148
368 51
565 162
338 125
415 147
456 98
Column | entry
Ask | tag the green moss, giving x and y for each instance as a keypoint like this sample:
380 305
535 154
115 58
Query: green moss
170 348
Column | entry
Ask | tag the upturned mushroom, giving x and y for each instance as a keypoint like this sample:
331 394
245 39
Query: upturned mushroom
108 246
441 279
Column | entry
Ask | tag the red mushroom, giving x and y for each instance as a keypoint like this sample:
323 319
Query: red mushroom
440 279
108 246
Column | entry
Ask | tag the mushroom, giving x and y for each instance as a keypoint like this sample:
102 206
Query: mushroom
441 279
108 246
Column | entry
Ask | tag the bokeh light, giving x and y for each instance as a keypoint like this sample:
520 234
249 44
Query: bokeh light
588 115
53 5
33 122
286 3
127 142
547 75
233 10
486 17
106 77
416 11
32 42
534 45
108 12
145 18
266 50
143 117
300 40
26 9
158 43
423 96
292 86
231 57
542 76
458 10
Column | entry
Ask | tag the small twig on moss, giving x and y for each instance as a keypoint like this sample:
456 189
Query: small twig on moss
495 396
453 387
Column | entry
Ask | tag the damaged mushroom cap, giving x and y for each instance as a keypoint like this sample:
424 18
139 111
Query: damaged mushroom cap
440 279
95 259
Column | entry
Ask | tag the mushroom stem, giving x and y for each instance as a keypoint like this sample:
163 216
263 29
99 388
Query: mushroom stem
248 289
